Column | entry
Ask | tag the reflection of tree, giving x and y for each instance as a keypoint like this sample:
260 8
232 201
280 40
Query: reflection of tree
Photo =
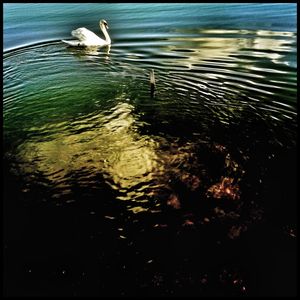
138 167
107 143
149 173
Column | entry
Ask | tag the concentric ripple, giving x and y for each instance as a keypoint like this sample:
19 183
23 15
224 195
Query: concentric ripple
80 123
111 189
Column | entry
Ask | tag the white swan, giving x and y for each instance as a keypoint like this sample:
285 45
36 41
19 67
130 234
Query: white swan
88 38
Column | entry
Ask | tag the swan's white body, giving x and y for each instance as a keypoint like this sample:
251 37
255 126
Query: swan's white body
87 38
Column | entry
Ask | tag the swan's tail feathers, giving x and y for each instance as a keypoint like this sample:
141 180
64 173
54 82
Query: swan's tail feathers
73 43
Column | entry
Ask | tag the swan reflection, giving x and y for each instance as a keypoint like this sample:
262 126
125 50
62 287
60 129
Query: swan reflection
90 51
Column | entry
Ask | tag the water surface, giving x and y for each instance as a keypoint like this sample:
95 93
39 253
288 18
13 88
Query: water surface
172 193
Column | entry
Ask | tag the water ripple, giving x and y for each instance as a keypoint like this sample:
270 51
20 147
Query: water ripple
84 118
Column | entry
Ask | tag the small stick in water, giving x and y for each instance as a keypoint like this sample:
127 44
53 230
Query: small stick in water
152 83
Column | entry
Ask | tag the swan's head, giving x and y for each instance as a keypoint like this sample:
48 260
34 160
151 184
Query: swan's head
103 24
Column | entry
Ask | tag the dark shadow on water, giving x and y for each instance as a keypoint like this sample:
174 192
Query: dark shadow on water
95 247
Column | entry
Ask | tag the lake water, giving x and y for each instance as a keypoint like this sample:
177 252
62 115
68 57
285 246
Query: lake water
109 190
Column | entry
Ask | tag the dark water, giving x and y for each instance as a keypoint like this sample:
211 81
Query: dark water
109 191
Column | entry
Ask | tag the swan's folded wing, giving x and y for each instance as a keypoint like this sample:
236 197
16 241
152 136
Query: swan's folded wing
84 34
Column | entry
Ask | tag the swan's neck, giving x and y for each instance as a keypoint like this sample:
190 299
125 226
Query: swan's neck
107 37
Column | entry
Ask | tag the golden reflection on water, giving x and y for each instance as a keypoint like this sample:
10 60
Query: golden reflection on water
113 148
138 167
